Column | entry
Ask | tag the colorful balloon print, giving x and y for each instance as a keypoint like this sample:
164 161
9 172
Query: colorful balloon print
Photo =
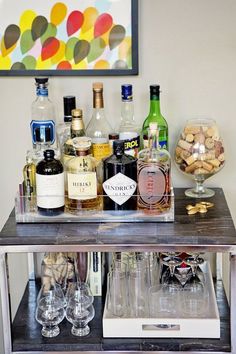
67 38
58 13
116 36
102 24
74 22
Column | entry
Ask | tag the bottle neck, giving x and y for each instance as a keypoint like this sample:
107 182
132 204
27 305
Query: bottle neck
98 102
77 125
42 91
154 105
127 111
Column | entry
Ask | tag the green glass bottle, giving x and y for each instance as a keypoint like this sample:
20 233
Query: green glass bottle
155 116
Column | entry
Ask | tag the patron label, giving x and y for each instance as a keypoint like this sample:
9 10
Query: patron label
82 186
42 124
50 191
119 188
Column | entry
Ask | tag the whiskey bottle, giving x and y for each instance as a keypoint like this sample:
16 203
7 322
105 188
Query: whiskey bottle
64 128
82 187
120 180
155 116
29 174
43 113
154 166
128 131
77 130
98 128
50 185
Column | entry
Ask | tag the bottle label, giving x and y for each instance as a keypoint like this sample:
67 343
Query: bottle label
43 124
153 184
42 91
162 144
50 191
119 188
101 150
82 186
131 146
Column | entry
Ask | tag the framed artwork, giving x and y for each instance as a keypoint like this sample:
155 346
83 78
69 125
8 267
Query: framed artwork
68 37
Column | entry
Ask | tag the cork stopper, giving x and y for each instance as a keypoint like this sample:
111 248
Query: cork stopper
97 86
98 95
82 143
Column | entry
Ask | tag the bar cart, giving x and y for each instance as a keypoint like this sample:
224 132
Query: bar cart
210 232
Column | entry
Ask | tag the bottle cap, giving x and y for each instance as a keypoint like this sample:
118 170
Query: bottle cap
77 113
127 92
42 134
49 154
69 105
118 147
41 80
82 143
155 89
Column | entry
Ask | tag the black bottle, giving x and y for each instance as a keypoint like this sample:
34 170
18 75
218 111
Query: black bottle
120 180
50 185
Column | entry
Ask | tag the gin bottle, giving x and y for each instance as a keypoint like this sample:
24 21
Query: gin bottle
64 128
98 128
50 185
77 130
154 166
120 180
43 113
155 116
128 131
82 186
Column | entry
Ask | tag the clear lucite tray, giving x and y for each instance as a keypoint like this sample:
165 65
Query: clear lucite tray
23 215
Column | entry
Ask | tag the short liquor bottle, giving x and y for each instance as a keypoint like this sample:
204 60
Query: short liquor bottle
154 166
128 131
50 185
155 116
98 128
29 174
82 187
64 128
120 180
43 113
77 130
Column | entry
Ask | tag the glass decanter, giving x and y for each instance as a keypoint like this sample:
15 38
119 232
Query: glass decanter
200 154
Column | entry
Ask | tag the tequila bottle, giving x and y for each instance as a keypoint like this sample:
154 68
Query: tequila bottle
98 128
154 166
120 180
82 187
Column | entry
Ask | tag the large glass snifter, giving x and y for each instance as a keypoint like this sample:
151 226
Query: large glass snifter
200 154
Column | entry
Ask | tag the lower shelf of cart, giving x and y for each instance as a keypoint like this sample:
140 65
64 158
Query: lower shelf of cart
27 332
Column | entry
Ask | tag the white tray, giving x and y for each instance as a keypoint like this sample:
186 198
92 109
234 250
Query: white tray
207 325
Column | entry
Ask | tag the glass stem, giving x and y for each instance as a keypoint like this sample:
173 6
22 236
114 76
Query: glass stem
199 188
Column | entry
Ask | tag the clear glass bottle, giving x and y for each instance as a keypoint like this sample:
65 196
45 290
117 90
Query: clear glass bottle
155 116
77 130
154 165
64 128
81 183
29 174
50 185
42 111
98 128
120 180
128 130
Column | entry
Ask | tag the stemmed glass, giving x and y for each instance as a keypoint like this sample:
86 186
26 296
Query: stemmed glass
200 154
171 261
194 261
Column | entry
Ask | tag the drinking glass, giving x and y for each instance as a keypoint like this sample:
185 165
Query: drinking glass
163 300
200 154
117 293
138 290
195 299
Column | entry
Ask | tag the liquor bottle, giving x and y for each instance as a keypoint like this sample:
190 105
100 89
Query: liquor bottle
120 180
98 128
155 116
77 130
82 186
64 128
128 131
29 174
43 113
50 185
154 166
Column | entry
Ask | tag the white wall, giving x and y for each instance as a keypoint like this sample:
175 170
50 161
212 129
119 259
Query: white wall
187 46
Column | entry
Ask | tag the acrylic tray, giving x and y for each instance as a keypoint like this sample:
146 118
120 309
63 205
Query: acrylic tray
22 215
172 325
